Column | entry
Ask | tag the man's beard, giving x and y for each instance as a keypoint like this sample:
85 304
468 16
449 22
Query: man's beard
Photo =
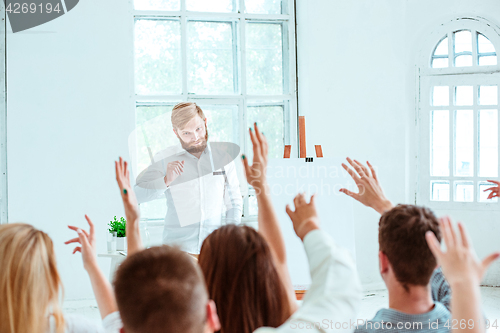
194 149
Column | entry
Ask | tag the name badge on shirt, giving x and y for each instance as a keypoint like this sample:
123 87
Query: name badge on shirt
219 173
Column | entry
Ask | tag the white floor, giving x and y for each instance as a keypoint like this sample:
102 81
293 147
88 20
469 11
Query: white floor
372 302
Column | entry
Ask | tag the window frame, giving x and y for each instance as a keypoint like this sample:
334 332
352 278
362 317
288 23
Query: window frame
452 76
288 99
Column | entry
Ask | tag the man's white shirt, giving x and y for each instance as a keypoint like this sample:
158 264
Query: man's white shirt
199 201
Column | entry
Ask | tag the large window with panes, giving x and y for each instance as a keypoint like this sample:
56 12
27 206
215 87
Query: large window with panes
234 58
458 119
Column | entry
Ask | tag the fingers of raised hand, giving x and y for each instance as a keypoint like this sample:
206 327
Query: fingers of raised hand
122 166
246 167
78 230
258 134
356 167
313 197
117 173
351 172
448 233
489 260
494 181
433 244
372 169
91 236
73 240
91 224
265 146
463 235
302 198
77 249
349 193
364 168
289 211
262 141
256 145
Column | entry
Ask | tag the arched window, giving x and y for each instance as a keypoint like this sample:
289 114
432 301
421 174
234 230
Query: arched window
458 120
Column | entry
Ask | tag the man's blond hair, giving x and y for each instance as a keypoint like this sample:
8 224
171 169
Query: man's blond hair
183 112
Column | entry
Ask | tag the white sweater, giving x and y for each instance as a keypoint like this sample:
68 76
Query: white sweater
76 324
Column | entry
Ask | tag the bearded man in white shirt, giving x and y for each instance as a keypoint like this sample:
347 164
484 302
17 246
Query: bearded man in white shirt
198 179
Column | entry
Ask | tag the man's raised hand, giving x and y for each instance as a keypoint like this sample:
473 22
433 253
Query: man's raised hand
304 218
370 192
256 173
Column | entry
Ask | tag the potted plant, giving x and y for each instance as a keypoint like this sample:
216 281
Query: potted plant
119 226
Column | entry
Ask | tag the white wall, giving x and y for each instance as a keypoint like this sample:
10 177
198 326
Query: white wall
70 112
357 90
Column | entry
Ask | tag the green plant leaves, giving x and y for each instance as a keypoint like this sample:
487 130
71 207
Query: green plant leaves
119 226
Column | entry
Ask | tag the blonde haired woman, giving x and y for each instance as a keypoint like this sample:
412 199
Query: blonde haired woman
30 285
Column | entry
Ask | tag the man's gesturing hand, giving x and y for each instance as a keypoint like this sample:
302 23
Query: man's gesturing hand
370 193
174 170
304 218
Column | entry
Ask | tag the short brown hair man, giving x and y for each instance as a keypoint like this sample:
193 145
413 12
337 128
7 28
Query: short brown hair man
401 238
162 289
406 262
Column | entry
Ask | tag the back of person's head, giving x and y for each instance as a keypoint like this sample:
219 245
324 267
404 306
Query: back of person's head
161 289
402 239
242 280
29 280
182 113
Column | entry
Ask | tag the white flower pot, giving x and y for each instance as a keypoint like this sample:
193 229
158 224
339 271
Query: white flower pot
121 243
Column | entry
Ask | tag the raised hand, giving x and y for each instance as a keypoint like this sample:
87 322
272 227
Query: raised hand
102 288
174 170
494 190
87 244
256 173
134 242
269 226
370 192
459 262
464 272
126 192
304 218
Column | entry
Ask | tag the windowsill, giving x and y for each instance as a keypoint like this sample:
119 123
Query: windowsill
446 205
